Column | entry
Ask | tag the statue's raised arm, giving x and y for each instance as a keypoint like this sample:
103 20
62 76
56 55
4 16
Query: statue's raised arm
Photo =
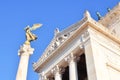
29 35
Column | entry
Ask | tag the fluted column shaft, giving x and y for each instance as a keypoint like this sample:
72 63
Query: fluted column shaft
24 53
57 72
23 67
73 70
73 75
58 76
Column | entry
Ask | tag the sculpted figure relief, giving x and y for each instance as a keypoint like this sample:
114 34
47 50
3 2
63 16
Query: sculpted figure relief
29 35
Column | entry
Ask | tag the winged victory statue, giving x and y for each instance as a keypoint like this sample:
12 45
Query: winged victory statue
29 35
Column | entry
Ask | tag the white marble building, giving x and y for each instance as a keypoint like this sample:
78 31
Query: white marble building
87 50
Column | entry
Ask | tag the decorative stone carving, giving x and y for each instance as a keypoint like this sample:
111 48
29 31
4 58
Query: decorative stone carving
57 43
61 37
87 14
25 49
43 76
81 43
85 36
70 57
56 69
56 31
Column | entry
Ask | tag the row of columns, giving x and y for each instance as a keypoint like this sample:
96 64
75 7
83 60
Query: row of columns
57 71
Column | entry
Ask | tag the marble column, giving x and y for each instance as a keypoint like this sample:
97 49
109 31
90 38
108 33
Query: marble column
71 59
40 76
24 53
43 76
57 73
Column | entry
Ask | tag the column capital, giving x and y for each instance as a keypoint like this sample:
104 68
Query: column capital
70 58
43 76
57 69
26 50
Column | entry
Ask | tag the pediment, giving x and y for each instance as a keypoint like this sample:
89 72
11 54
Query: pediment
61 37
58 41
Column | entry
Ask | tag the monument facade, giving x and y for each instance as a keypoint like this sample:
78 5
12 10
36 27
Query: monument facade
87 50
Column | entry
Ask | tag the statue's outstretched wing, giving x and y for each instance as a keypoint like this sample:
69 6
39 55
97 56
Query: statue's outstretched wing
35 26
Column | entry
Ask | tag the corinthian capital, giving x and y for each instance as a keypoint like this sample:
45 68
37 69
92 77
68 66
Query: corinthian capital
25 49
43 76
70 58
56 69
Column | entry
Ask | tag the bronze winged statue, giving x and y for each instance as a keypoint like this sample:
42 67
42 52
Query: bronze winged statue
29 35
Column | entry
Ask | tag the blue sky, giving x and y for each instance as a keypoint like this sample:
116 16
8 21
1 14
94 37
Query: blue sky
16 15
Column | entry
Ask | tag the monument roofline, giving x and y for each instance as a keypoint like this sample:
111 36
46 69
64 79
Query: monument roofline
112 14
86 22
74 26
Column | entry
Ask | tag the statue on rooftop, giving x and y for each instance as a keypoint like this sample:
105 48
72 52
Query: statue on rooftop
29 35
56 31
108 9
98 15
